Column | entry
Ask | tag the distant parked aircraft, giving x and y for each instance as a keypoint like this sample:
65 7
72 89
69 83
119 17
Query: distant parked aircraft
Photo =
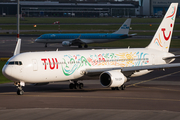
79 39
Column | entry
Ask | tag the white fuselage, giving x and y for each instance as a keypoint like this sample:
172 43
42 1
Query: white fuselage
39 67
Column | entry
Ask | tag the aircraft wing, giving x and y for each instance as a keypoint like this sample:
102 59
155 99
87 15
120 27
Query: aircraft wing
76 41
131 70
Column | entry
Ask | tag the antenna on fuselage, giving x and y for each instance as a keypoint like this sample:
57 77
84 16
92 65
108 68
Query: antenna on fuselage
18 44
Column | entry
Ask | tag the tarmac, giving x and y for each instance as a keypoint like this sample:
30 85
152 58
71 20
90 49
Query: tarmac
154 96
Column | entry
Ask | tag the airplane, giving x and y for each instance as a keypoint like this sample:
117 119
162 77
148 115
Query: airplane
114 67
78 39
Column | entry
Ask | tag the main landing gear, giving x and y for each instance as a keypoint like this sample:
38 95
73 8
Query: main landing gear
19 87
45 44
76 85
85 46
122 87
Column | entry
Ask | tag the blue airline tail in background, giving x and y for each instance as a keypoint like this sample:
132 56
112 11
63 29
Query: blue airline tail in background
79 39
124 29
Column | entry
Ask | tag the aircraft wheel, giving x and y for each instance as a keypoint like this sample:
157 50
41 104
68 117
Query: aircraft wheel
123 87
76 86
81 85
116 88
113 88
20 92
71 86
85 46
79 46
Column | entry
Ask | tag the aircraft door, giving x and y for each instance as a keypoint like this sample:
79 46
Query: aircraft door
35 65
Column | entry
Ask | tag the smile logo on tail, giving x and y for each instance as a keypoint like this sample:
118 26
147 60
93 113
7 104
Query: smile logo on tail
166 38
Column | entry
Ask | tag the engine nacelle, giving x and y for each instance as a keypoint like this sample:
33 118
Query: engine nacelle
66 43
112 78
39 84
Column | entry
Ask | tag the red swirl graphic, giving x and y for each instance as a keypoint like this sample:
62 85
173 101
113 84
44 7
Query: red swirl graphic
172 14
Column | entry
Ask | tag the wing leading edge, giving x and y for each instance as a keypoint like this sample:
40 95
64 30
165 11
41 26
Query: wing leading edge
132 69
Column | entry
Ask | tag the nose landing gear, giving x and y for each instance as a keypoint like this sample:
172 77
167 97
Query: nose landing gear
19 87
45 44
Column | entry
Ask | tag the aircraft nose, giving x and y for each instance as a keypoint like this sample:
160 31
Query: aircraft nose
7 71
36 40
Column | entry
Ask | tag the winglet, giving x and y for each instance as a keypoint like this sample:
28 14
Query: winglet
124 29
18 47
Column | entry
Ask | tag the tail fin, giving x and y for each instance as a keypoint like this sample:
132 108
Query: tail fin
162 38
124 29
18 46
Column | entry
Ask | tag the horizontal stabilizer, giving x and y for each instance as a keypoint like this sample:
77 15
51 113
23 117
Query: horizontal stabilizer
131 35
172 57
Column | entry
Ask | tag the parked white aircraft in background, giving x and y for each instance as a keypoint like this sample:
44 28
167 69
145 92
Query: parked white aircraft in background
79 39
114 66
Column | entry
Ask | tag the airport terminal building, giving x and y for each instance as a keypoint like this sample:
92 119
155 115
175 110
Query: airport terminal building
73 8
86 8
156 7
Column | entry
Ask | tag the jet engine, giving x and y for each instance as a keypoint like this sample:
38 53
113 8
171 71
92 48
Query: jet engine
112 78
66 43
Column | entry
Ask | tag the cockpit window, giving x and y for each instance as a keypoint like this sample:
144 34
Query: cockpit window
11 63
20 63
15 63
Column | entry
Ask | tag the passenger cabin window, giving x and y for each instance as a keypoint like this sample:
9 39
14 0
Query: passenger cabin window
15 63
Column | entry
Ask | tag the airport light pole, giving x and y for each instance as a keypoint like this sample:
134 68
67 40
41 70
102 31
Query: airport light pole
17 19
18 44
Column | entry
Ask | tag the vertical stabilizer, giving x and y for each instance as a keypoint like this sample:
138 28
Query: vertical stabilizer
18 47
162 38
124 29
